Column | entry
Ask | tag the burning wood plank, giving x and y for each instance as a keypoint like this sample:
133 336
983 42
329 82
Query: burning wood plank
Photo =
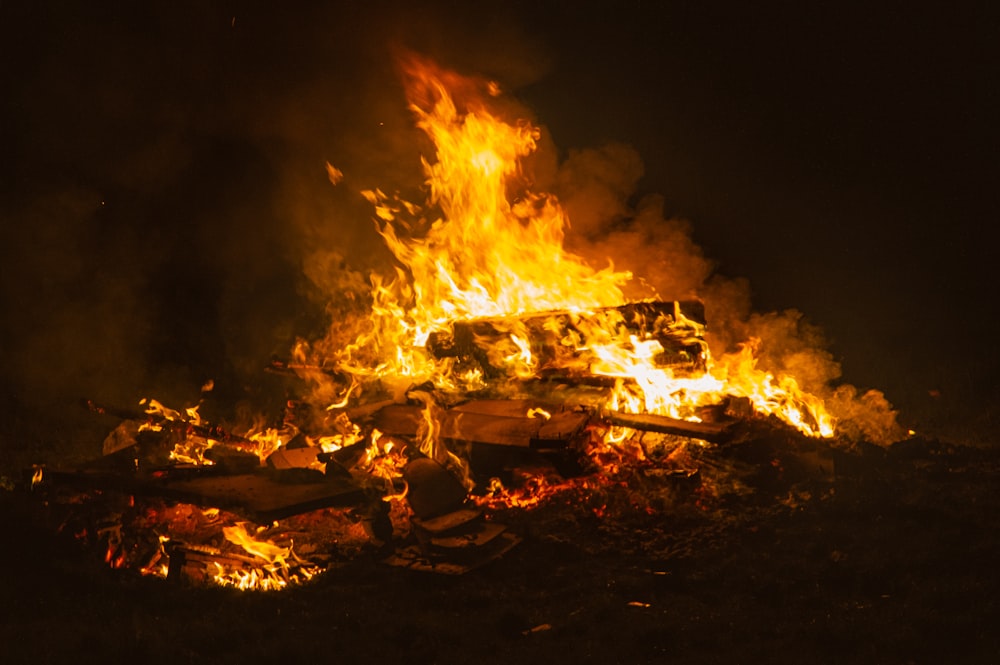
677 326
264 497
158 429
648 422
507 423
492 422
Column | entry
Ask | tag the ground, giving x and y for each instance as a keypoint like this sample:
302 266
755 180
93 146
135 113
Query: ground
892 562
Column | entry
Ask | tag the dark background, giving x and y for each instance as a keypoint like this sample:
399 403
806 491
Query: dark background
164 199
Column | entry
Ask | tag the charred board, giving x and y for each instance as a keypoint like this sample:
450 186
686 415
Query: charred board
556 338
648 422
264 497
491 422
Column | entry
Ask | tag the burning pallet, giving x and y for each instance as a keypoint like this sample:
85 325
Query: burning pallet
678 327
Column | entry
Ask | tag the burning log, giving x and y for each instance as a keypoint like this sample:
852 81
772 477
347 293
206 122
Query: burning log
678 326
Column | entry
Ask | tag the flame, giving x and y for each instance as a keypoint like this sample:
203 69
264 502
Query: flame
493 248
385 460
771 395
275 566
539 412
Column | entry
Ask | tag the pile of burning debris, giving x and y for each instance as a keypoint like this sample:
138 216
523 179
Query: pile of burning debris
494 374
424 480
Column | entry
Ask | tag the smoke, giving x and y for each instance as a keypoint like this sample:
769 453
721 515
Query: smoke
610 224
167 216
596 187
65 303
170 219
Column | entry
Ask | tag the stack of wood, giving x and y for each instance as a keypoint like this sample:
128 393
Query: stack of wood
678 326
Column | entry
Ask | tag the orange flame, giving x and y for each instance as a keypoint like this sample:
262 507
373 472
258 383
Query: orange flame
495 249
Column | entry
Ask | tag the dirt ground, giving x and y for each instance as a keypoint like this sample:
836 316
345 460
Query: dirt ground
894 561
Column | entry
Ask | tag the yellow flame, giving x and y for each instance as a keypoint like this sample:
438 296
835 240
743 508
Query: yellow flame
486 245
273 568
539 412
384 460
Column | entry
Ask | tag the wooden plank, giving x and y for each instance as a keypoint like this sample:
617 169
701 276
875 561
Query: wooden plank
492 422
507 408
678 326
495 430
448 522
398 419
263 496
648 422
560 429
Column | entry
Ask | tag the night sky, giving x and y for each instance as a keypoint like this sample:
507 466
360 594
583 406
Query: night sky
163 169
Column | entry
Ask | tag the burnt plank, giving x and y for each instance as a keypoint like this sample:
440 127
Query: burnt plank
492 422
398 419
416 558
678 326
561 427
496 430
509 408
648 422
263 497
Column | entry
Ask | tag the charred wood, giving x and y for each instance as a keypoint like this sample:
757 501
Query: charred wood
265 497
648 422
124 435
678 326
495 422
